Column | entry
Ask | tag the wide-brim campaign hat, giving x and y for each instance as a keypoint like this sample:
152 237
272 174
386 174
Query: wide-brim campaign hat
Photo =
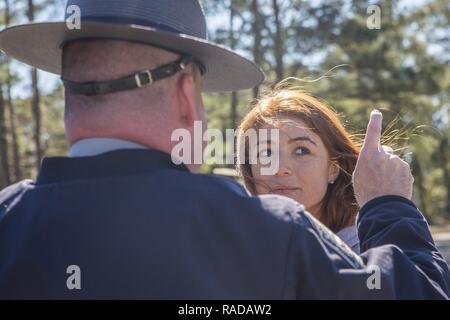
175 25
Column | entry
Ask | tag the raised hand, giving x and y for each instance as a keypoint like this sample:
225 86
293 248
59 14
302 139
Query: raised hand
378 171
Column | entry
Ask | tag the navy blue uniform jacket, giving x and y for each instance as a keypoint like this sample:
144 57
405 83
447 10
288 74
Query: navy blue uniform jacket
138 226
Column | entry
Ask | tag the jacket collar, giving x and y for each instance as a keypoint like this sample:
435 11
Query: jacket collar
96 146
114 163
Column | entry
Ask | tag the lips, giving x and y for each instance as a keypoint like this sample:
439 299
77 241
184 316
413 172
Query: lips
284 190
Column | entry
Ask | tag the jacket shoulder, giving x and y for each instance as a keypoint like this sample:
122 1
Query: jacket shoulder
10 193
224 182
282 207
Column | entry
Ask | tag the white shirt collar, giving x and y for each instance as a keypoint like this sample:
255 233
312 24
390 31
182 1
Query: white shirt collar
96 146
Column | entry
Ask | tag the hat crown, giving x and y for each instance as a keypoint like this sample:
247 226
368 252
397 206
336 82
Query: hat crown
178 16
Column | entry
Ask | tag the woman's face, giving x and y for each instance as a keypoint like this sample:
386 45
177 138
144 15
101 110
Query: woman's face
305 169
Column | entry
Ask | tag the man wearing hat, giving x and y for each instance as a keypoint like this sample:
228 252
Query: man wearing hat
117 218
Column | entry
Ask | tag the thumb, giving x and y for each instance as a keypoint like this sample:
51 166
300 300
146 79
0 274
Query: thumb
373 134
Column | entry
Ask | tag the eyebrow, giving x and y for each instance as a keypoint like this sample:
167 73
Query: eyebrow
308 139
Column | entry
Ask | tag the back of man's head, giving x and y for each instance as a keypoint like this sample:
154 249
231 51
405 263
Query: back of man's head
147 115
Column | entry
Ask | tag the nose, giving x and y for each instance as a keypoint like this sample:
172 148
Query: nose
283 171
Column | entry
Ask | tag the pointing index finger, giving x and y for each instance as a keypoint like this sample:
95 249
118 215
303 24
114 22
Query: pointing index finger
373 135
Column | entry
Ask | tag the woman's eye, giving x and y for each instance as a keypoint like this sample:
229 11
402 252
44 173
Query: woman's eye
301 151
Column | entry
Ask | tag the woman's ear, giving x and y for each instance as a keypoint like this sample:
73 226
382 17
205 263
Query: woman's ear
333 172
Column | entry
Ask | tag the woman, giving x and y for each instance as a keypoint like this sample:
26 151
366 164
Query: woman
317 157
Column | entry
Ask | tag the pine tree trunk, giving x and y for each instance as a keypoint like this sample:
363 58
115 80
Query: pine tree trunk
279 50
37 117
35 103
13 129
3 144
257 49
234 96
12 112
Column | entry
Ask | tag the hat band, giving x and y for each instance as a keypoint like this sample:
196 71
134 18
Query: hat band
135 21
134 81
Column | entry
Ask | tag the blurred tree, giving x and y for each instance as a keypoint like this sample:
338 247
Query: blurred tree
35 101
12 114
392 69
257 29
234 95
4 160
278 41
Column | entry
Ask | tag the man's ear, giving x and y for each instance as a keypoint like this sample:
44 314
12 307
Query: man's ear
186 106
333 171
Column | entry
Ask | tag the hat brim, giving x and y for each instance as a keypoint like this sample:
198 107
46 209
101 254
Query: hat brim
40 45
